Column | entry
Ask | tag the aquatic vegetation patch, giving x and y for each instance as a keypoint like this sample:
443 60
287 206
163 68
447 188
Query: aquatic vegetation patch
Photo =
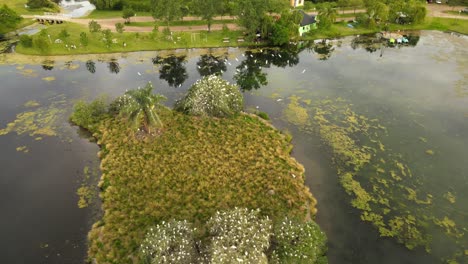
382 185
196 167
295 113
49 79
43 121
23 149
31 104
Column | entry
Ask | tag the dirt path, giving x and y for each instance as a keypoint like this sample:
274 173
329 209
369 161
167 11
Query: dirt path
437 10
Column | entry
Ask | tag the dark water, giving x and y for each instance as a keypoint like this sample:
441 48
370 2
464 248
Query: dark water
417 91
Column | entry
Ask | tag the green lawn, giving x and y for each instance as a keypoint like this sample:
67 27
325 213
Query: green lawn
341 29
457 13
134 41
97 14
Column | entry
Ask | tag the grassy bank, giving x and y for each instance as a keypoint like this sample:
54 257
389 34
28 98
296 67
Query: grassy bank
431 23
98 14
202 39
195 167
134 41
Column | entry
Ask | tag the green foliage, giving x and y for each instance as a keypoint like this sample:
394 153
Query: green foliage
107 37
26 41
64 34
239 235
207 9
42 42
119 27
43 4
286 28
252 15
169 242
89 115
84 40
297 242
139 107
94 26
127 13
327 15
263 115
167 10
8 19
212 96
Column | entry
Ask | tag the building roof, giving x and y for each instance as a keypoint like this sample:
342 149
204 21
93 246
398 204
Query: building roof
307 19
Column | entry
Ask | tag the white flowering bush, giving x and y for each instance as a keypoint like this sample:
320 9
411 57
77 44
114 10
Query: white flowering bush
212 96
169 242
296 242
239 236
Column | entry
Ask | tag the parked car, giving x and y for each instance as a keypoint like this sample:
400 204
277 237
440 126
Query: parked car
465 10
438 2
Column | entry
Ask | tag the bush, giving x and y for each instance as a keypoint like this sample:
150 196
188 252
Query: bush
212 96
119 27
263 115
239 236
42 4
296 242
94 26
89 115
26 41
169 242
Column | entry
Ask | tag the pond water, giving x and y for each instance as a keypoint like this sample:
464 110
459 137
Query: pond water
76 8
413 100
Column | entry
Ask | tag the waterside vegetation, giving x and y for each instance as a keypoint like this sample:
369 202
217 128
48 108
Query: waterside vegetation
193 169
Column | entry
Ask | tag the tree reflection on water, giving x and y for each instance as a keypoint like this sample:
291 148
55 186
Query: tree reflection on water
172 69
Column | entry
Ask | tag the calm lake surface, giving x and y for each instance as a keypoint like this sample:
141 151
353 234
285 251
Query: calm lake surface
419 93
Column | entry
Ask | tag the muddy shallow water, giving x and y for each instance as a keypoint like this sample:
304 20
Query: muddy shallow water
419 93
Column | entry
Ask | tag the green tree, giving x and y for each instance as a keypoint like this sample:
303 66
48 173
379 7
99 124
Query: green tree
26 41
286 28
107 36
94 26
252 15
167 10
355 4
119 27
9 19
377 10
326 15
127 13
64 35
84 40
207 9
343 4
139 108
42 42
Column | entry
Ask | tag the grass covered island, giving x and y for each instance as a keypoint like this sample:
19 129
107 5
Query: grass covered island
203 183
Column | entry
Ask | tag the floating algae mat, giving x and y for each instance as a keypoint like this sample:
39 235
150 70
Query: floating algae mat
38 121
381 183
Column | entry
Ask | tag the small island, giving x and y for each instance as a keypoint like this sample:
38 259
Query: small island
204 183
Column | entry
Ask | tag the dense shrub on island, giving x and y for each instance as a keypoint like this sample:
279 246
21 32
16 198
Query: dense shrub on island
212 96
239 235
